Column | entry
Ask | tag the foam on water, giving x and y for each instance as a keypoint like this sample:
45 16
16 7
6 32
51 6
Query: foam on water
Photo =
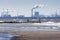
51 26
49 23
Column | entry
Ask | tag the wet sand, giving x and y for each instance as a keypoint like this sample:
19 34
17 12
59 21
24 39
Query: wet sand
37 35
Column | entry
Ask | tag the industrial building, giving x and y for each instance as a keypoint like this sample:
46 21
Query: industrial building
36 17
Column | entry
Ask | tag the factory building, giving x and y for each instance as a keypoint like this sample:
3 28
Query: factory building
36 14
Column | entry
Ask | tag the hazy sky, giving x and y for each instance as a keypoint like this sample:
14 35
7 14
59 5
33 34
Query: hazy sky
23 7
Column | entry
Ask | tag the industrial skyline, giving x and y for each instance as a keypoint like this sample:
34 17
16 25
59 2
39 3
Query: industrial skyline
23 7
5 13
35 16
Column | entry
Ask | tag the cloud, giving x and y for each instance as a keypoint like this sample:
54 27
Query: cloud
42 5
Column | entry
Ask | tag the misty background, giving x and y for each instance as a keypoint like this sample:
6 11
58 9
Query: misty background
23 7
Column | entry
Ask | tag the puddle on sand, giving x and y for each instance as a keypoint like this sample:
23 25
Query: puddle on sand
4 36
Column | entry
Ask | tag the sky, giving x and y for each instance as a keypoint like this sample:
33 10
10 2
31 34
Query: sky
23 7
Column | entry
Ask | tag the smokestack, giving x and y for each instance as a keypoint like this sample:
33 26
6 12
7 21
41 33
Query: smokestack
7 11
37 6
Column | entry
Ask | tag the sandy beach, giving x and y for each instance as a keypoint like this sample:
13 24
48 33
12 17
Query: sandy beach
37 35
29 35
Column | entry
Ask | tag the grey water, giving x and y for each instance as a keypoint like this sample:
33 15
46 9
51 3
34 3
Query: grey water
28 27
25 27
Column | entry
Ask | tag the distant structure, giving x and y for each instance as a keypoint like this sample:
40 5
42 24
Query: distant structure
20 16
35 17
36 14
33 9
5 13
56 15
37 6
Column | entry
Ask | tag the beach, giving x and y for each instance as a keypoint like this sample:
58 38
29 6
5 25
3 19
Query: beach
30 33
